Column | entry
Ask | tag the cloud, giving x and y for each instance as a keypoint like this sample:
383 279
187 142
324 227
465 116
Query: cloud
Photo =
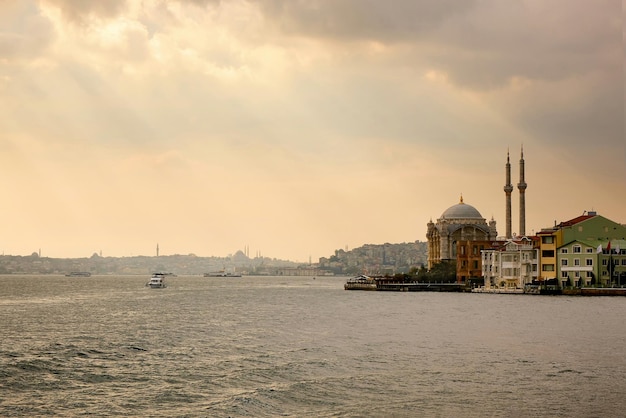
24 33
78 11
480 44
252 119
349 20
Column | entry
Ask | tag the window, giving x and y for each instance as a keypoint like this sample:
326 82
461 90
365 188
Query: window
589 274
577 261
475 250
547 253
605 262
623 261
563 250
589 250
547 240
589 262
475 264
576 249
564 275
462 250
564 262
547 267
577 274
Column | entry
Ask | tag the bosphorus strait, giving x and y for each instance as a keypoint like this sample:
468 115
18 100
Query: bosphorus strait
298 347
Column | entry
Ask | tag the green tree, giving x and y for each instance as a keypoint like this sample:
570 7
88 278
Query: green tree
444 271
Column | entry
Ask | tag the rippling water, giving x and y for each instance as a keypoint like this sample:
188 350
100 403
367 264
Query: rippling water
298 347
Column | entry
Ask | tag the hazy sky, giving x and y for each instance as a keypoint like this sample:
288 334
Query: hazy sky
299 127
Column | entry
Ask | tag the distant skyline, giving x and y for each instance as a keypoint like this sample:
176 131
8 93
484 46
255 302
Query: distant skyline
294 129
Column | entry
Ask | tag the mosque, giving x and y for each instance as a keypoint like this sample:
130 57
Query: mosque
461 231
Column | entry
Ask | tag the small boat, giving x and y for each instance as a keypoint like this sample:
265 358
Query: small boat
157 281
78 274
361 282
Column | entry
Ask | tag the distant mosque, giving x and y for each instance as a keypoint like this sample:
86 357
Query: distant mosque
463 222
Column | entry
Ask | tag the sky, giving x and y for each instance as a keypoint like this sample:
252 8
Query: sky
291 129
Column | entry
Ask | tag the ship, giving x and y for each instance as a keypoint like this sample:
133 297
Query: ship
361 282
221 273
78 274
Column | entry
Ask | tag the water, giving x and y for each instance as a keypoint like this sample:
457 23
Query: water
298 347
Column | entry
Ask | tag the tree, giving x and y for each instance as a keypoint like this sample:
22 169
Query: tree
444 271
422 273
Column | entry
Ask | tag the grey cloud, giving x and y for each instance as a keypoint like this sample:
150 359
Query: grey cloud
480 44
202 2
78 10
591 121
23 32
552 41
361 19
566 48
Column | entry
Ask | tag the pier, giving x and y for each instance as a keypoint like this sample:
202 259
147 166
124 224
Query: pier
383 285
596 291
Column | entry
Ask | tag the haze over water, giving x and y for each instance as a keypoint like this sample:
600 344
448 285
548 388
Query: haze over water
293 346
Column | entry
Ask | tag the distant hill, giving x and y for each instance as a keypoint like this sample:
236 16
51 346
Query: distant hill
377 259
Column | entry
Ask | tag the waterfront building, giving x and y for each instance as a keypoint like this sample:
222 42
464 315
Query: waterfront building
461 222
510 264
566 242
468 259
549 240
584 263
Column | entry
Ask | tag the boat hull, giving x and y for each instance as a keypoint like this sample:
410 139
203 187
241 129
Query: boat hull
156 286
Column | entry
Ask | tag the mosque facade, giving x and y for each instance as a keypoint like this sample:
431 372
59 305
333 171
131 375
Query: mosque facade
461 222
463 227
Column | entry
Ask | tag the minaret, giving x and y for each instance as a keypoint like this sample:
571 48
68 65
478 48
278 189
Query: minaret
522 196
157 249
508 188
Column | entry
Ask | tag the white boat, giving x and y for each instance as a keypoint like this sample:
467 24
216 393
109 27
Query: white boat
361 282
157 281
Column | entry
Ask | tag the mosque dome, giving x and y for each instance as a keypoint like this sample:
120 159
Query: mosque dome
461 211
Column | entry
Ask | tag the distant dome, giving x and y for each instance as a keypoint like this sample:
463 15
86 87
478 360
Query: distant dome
240 256
461 211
